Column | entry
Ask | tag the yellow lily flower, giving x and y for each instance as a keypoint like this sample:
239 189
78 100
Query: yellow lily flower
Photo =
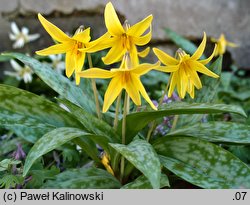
125 77
222 43
105 161
122 39
184 69
69 45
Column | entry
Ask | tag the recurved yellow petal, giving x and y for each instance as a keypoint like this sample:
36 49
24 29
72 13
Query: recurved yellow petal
70 62
53 31
195 78
56 49
112 22
139 28
114 54
144 53
202 69
113 90
191 93
134 56
206 61
173 81
198 53
96 73
184 82
99 44
143 40
165 58
131 89
143 92
79 64
83 37
144 68
168 69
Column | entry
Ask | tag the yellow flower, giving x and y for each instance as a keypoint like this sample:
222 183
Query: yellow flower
222 43
184 69
123 39
106 164
125 77
69 45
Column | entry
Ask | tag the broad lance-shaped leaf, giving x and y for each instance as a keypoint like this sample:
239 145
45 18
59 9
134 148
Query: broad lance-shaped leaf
202 163
93 124
137 121
59 83
141 154
143 183
90 178
98 127
182 42
224 132
51 141
29 105
23 126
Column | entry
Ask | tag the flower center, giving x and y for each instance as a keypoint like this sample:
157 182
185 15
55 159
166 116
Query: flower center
182 55
126 41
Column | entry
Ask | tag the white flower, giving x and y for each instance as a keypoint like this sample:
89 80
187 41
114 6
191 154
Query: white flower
21 73
57 62
21 37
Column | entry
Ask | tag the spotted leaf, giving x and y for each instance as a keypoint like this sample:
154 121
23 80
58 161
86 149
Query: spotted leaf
141 154
90 178
202 163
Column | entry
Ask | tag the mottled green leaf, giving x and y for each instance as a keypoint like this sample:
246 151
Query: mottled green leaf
182 42
202 163
92 123
143 183
30 134
90 178
57 82
24 126
137 121
224 132
30 105
141 154
51 141
98 127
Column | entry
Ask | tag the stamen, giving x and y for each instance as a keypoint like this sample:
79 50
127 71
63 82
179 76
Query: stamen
80 29
127 61
181 53
126 25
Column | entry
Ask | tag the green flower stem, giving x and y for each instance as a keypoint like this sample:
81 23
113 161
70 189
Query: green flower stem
93 83
125 112
118 103
152 128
